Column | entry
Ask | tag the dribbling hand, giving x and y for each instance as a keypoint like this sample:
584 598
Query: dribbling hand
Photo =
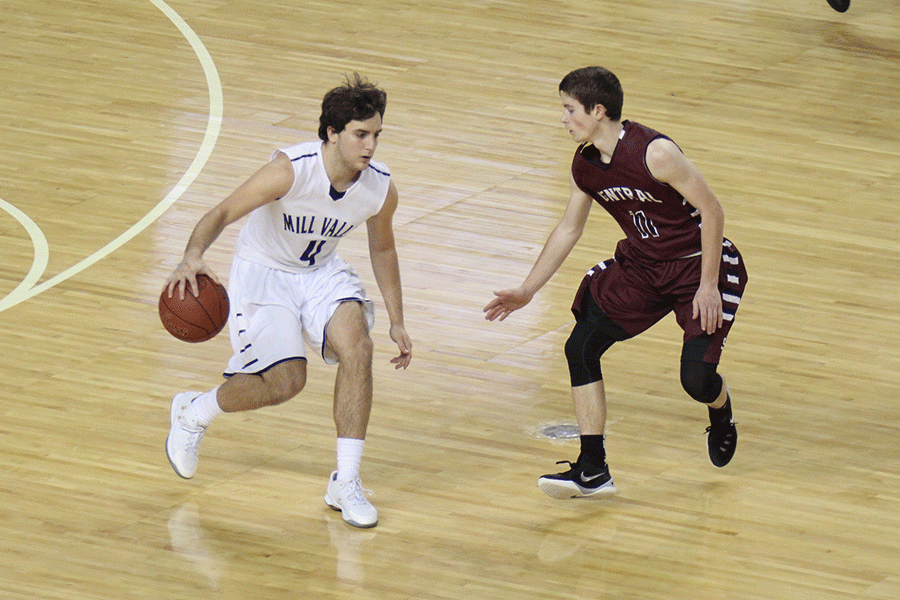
185 274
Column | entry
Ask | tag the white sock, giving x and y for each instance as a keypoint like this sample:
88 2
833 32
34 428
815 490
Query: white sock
349 457
206 407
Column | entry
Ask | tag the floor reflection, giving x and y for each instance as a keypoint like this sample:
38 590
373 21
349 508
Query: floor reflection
187 540
348 542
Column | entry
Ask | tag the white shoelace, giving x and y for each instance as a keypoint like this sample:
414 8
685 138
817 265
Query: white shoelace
196 434
354 492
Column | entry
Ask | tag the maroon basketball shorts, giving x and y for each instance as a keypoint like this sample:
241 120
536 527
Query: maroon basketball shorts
637 294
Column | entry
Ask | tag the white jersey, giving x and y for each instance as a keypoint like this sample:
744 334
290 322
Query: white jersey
301 230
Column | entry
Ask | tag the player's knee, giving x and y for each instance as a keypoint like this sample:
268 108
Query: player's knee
366 347
363 350
356 350
347 335
583 357
574 349
701 381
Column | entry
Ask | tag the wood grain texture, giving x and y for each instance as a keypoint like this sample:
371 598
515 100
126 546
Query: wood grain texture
790 112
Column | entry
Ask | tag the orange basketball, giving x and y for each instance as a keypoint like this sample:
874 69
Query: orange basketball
196 318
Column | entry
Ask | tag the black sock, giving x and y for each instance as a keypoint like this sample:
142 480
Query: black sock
593 453
721 415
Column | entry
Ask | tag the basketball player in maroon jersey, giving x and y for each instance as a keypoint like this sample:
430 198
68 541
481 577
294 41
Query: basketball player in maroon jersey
666 263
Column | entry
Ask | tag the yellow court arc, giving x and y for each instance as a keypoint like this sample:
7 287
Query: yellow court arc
41 254
27 288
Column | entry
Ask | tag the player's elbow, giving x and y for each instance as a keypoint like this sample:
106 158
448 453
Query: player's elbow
571 234
712 212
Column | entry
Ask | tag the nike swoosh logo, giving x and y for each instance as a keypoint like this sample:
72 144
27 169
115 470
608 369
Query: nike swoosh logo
589 479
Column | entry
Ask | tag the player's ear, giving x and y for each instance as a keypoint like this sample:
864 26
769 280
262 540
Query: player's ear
598 111
332 134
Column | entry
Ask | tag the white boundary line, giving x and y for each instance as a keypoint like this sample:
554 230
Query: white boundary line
26 289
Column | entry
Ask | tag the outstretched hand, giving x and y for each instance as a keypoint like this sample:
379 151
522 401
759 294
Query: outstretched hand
505 302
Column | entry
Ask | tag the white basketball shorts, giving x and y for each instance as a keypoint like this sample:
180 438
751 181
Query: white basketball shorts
273 312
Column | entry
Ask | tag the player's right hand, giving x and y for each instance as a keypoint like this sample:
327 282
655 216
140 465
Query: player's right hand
185 274
505 302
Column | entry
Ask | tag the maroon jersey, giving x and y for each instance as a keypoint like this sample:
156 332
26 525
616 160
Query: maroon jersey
658 222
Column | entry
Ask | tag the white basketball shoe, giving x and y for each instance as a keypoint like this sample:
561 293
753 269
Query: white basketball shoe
349 498
183 443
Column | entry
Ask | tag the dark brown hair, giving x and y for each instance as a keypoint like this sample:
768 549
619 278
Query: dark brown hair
356 100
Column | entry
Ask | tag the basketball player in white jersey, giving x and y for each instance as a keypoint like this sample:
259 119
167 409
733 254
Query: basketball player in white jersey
287 285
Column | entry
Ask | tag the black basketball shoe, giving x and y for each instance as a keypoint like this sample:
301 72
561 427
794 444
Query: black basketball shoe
577 483
839 5
721 437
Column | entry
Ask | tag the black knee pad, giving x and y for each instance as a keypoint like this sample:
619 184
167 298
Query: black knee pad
593 334
700 381
585 346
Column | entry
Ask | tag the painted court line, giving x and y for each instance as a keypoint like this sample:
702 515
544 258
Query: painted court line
26 289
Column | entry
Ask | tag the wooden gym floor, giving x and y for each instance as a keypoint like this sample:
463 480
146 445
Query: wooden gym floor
121 123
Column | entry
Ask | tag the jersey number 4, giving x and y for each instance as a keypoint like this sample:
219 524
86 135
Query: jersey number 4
309 255
644 225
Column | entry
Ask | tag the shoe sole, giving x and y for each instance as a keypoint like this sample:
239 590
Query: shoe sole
335 506
173 416
567 490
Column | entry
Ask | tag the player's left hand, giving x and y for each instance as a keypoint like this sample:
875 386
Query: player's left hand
400 337
708 308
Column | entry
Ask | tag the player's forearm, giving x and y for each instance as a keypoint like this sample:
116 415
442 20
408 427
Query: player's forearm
386 268
711 235
205 233
551 258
